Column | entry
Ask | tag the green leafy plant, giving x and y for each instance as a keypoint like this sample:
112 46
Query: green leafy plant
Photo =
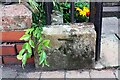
66 13
34 42
33 37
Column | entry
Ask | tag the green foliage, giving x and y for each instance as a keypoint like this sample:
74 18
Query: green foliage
33 36
34 42
81 4
65 6
38 14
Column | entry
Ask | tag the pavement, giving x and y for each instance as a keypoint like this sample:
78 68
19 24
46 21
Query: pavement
107 67
109 43
15 72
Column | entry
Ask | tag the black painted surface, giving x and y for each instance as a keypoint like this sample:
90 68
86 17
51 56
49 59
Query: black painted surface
48 12
98 27
72 12
96 10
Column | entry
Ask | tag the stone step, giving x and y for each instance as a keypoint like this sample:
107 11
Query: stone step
108 4
111 9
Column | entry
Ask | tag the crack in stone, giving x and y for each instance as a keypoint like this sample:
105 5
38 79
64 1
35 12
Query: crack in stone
16 75
90 75
115 75
108 67
40 75
65 75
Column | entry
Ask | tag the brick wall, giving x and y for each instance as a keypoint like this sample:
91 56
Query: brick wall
15 18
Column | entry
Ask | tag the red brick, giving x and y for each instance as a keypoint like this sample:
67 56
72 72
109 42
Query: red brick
19 47
11 60
11 36
30 60
7 49
14 60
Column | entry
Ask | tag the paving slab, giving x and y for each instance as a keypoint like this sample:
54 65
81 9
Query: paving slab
0 73
8 73
110 9
78 79
27 79
52 74
102 74
29 75
117 74
77 74
52 79
109 50
109 43
110 25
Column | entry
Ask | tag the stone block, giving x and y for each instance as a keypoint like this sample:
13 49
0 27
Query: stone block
15 17
72 46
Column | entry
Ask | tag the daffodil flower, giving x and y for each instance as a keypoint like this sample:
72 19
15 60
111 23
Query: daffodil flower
78 9
83 13
85 9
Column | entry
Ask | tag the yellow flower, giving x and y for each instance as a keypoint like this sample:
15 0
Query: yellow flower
78 9
83 13
85 9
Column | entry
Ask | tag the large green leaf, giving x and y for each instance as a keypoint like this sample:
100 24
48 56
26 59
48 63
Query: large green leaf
38 35
46 43
31 43
29 55
19 57
24 59
25 37
42 57
36 32
40 39
39 48
24 46
45 61
28 48
29 31
21 51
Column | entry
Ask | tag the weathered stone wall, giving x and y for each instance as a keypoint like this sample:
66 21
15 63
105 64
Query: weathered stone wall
72 46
